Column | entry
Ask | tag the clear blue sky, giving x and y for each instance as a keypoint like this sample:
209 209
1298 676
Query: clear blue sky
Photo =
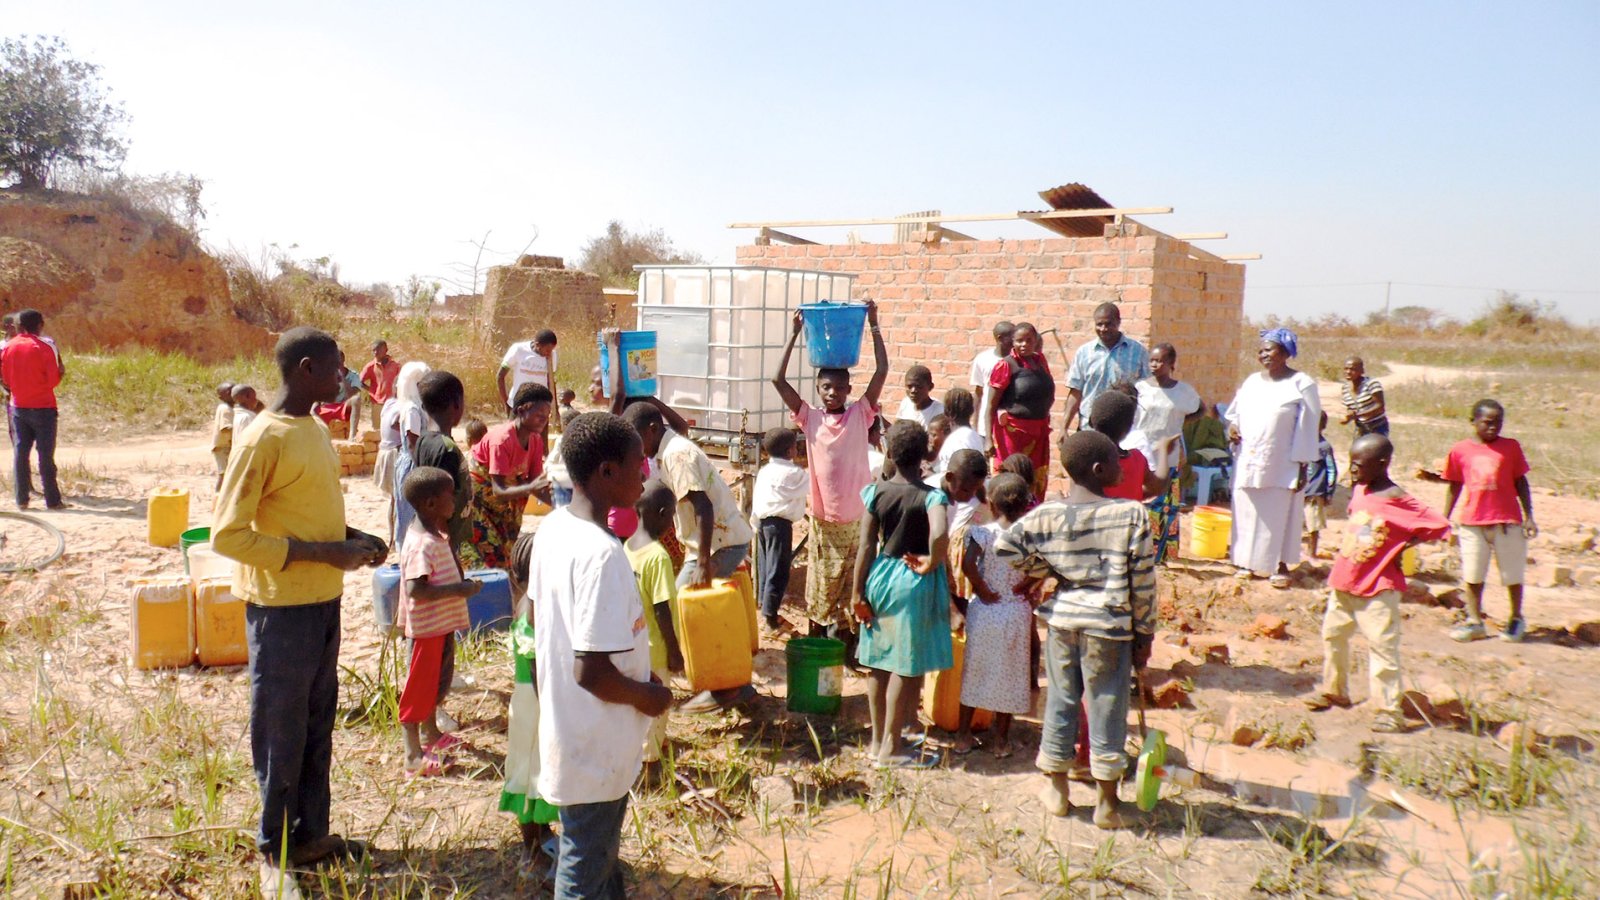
1419 143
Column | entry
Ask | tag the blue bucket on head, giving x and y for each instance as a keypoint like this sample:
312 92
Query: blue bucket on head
833 333
639 375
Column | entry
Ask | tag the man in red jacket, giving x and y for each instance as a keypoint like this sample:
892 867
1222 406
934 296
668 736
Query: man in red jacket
31 370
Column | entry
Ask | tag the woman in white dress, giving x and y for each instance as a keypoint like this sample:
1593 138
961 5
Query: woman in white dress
1274 418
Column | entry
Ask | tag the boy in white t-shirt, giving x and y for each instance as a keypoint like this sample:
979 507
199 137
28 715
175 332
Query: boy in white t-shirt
918 404
958 409
983 366
596 692
528 362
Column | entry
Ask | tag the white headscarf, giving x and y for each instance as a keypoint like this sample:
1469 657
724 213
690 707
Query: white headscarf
406 391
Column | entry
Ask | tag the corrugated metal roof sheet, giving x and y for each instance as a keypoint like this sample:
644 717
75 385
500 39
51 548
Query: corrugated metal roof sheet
1075 196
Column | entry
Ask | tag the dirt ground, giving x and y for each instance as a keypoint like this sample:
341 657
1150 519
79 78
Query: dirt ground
126 783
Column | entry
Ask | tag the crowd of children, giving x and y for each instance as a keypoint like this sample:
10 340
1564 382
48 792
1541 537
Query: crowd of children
901 557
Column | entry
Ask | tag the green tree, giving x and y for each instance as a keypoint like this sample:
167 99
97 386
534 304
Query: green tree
53 112
613 255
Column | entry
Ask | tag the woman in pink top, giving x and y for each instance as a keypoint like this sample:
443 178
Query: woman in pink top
507 468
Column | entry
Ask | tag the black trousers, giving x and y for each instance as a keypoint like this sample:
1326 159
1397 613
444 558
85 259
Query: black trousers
294 696
775 559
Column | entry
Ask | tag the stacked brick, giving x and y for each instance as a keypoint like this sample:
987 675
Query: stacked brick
938 301
357 457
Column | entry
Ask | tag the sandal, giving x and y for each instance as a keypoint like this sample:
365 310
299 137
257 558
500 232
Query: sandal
1325 701
432 767
445 741
1005 752
920 761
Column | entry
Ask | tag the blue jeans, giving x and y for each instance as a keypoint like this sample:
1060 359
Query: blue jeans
723 562
294 699
403 513
586 854
34 427
1086 669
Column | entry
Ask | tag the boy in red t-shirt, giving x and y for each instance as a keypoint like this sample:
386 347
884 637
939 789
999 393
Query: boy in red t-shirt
1489 475
1366 581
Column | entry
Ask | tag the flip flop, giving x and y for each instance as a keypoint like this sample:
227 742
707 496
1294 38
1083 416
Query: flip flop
432 767
445 741
1006 753
918 762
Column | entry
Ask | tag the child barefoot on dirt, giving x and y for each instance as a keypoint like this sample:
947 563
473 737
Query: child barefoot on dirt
658 591
1322 477
281 515
433 607
1366 582
999 620
836 451
1101 617
596 694
520 796
222 429
902 593
1489 476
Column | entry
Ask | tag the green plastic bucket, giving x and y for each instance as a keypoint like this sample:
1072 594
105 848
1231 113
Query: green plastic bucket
816 675
191 537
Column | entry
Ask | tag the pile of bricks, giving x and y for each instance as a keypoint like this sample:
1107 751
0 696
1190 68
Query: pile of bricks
357 457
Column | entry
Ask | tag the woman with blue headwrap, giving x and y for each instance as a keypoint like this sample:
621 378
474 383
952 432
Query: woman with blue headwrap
1274 417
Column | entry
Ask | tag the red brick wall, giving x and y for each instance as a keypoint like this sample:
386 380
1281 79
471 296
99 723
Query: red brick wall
938 302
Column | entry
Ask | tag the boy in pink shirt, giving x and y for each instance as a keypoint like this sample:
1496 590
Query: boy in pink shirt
1489 476
1366 581
836 452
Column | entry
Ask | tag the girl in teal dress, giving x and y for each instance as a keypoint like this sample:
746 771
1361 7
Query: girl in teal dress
902 592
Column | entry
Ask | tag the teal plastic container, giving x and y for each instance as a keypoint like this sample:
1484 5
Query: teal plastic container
816 675
833 333
639 374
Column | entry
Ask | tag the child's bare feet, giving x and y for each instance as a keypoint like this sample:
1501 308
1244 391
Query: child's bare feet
1054 794
1107 809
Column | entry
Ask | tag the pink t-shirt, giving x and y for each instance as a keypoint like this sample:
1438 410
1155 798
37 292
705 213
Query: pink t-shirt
836 451
427 556
502 454
1488 476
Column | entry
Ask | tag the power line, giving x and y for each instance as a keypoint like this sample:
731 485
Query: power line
1452 287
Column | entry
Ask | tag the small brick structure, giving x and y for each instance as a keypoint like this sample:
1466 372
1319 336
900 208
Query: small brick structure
357 457
939 300
541 292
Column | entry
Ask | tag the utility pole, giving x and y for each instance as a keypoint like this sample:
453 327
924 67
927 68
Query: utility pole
1386 286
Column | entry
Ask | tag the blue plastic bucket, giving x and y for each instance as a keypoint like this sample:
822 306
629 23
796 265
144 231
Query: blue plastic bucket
833 333
491 607
639 375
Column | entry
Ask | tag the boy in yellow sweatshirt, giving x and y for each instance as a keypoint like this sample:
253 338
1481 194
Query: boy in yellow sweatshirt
280 513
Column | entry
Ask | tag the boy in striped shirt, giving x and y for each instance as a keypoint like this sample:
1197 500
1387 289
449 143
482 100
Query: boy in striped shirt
433 607
1363 399
1102 616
